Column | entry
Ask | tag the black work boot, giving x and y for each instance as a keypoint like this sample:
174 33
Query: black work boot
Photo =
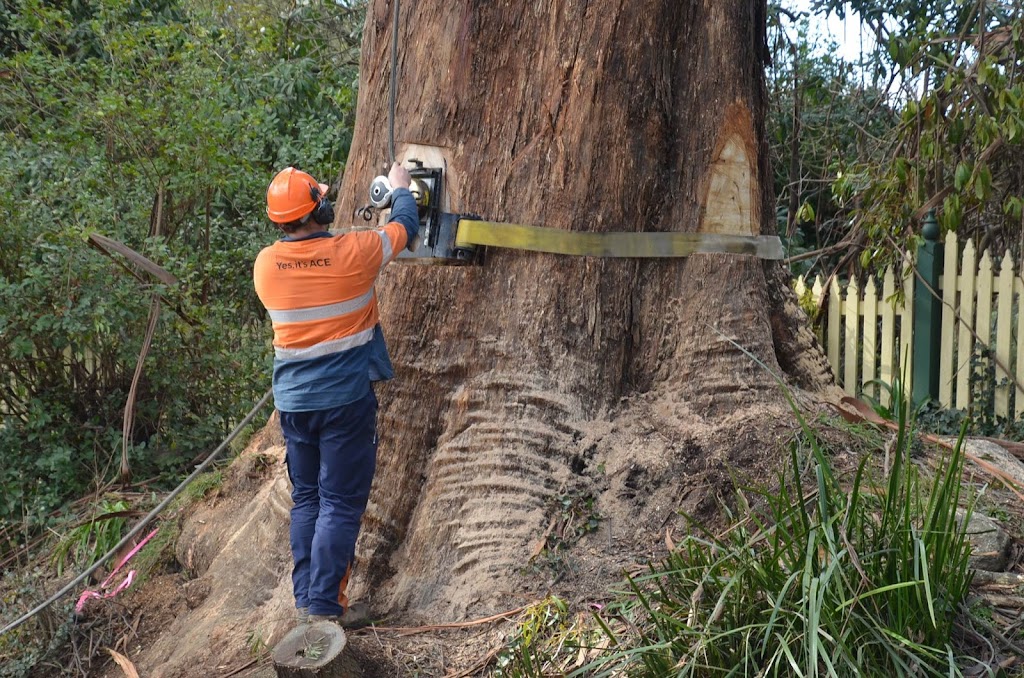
355 616
314 618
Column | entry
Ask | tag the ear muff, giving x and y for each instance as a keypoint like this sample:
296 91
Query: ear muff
323 213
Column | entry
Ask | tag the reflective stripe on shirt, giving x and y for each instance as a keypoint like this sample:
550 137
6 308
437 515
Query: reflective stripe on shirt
386 249
321 312
325 347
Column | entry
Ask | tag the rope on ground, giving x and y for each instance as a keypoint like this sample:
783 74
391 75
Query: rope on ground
145 521
413 630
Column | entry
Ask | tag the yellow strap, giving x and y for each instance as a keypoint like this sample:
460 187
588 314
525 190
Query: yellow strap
471 232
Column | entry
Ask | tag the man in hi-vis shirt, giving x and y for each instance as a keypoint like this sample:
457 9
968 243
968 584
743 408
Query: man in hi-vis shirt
328 349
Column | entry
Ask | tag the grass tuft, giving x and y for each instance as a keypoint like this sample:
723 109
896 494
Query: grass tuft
92 538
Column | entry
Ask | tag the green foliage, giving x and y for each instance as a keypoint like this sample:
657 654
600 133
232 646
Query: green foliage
577 517
23 648
822 581
952 70
202 486
85 543
808 304
313 648
980 419
157 555
821 114
932 115
542 626
156 123
256 643
573 515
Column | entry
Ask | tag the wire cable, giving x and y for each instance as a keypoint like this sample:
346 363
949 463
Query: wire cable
394 85
145 521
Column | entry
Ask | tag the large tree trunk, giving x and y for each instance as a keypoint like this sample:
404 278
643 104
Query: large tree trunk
536 375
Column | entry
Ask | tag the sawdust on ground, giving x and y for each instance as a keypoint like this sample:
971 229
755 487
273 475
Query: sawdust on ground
642 467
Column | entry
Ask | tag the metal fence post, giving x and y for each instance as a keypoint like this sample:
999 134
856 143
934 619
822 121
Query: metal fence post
927 314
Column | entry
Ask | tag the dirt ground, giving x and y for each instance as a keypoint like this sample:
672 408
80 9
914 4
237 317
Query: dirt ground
226 599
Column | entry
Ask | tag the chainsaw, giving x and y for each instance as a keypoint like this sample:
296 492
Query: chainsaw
436 240
456 239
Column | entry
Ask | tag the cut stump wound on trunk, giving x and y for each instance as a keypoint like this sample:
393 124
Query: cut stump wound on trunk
315 651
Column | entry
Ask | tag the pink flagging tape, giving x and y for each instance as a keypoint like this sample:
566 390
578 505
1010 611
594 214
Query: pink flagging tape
103 591
89 595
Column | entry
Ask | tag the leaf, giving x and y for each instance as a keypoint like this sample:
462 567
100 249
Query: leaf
983 182
894 50
950 215
901 166
539 548
1013 207
805 213
125 663
962 176
956 131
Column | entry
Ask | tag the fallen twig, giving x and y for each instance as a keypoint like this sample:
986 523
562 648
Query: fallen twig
1014 448
1001 579
479 665
997 634
539 548
862 412
250 664
412 630
1000 600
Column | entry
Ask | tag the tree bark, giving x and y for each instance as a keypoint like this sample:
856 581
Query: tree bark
589 115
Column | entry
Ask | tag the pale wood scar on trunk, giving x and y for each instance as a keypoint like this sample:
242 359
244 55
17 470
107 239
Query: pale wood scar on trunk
731 203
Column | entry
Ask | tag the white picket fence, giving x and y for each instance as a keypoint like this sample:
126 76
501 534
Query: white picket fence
869 333
863 352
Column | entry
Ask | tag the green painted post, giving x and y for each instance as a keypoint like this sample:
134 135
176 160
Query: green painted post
927 314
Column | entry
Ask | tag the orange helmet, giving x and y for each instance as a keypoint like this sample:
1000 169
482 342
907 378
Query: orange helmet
292 195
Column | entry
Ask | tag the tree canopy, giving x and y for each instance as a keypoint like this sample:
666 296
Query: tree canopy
932 116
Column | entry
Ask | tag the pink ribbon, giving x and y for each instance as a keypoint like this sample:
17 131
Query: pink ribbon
102 592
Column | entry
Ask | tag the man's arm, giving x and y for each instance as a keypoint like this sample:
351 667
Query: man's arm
405 212
403 206
404 223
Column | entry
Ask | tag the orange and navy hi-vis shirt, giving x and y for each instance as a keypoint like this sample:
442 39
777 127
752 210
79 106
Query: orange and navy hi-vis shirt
319 293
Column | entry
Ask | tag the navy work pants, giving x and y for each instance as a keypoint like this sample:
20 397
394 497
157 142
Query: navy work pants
331 457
